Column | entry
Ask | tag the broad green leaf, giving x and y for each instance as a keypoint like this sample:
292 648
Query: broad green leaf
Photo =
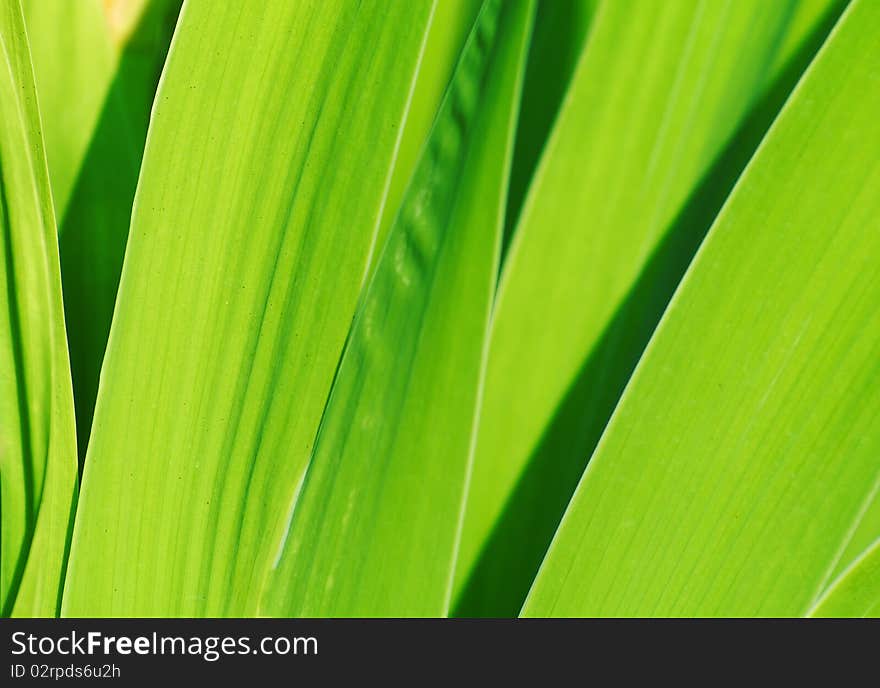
95 227
266 166
109 73
74 60
743 451
374 528
665 108
560 30
857 591
450 26
37 444
84 54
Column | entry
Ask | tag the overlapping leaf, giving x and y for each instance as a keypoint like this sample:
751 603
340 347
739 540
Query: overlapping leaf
262 185
742 456
557 42
857 591
37 440
311 345
96 78
374 528
73 61
449 28
666 105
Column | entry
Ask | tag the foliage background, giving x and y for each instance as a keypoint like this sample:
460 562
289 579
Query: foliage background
446 307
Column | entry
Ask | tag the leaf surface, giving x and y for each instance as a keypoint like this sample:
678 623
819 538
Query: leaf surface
96 78
856 593
449 28
561 28
374 529
665 108
267 163
37 440
73 60
742 454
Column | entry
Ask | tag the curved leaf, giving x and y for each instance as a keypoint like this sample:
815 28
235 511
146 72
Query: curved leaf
37 440
227 328
560 31
73 62
665 108
745 446
374 529
450 27
96 85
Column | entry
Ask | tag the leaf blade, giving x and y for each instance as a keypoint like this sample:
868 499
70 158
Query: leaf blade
234 387
73 64
96 89
374 529
735 467
38 447
665 109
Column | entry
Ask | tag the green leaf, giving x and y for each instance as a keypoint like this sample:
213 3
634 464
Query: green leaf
95 227
665 108
74 60
449 28
374 529
742 454
38 444
560 30
94 93
267 163
856 592
865 529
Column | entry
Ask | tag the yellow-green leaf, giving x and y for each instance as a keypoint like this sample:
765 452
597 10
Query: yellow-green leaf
96 77
37 440
267 163
666 105
741 457
374 529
